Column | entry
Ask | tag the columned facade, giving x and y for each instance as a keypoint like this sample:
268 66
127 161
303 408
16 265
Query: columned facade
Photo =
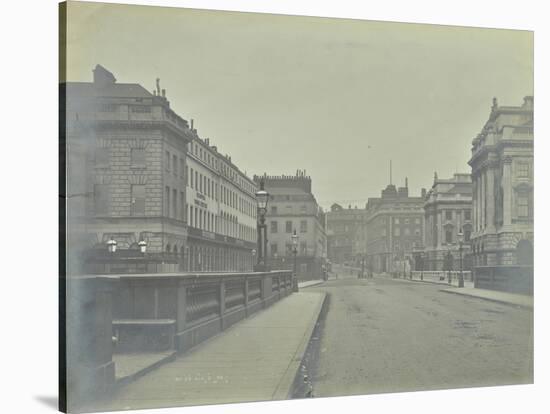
448 211
502 175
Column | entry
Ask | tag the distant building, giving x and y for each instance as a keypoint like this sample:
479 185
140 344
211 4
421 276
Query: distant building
347 234
292 206
395 228
502 175
221 212
448 211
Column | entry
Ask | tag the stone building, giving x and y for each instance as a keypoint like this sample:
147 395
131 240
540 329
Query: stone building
395 229
118 184
346 234
502 175
221 212
292 206
448 211
138 172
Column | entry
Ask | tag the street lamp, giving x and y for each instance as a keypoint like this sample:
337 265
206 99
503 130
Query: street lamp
295 252
142 246
460 242
111 245
262 197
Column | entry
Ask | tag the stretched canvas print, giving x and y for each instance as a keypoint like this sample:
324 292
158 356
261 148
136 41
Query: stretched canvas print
262 207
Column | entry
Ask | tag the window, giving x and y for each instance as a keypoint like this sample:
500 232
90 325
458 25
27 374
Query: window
406 221
288 249
303 226
448 215
523 205
141 109
200 183
417 221
303 248
448 236
101 199
523 169
273 249
174 203
167 201
167 160
417 232
407 231
396 232
192 186
175 164
288 226
102 156
467 215
396 221
138 200
182 165
467 235
273 227
137 156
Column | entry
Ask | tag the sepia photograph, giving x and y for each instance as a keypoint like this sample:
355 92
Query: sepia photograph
265 207
260 207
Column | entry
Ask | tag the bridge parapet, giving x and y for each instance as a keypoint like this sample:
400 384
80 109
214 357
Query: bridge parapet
156 312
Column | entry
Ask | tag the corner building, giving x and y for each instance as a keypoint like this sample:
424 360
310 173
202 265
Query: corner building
395 228
347 234
502 175
116 138
448 211
292 206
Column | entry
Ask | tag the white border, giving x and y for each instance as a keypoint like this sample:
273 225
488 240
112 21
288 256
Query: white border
29 198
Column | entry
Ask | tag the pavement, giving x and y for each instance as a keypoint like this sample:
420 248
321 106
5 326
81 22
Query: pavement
256 359
505 298
309 283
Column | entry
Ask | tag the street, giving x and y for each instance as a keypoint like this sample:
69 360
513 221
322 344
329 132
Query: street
383 335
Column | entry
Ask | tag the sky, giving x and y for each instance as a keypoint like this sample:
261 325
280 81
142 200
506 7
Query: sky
338 98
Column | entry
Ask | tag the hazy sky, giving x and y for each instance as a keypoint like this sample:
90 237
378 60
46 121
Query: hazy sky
336 97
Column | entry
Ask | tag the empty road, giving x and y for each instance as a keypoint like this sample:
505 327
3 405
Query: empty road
383 335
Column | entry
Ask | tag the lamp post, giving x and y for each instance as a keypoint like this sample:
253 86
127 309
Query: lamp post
421 265
142 246
262 197
111 245
460 242
295 252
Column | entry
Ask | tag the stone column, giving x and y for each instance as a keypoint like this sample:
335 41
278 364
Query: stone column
507 191
482 199
490 198
439 228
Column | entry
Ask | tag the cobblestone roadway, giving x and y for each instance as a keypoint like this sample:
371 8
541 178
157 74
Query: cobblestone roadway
382 335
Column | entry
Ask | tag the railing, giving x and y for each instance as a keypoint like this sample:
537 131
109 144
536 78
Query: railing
445 278
110 314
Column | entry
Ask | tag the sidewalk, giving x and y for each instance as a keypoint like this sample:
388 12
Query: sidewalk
309 283
515 299
255 360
